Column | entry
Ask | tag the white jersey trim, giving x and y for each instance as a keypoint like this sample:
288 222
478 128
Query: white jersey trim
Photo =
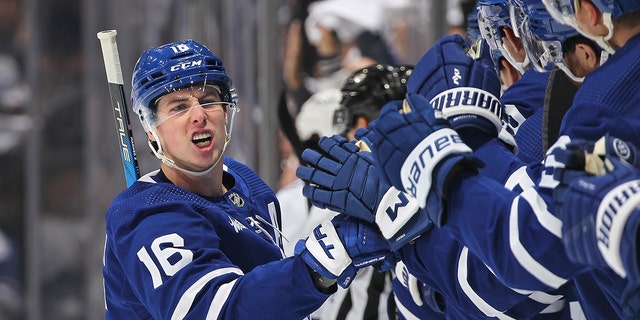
482 305
404 311
546 218
186 301
519 178
219 300
522 255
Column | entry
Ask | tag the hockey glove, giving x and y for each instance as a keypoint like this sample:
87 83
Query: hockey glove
342 180
466 91
594 214
567 161
337 249
346 180
418 153
595 209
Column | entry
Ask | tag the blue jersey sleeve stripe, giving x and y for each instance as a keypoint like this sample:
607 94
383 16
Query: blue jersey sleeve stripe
524 258
404 311
555 308
519 178
188 297
543 297
546 218
482 305
219 300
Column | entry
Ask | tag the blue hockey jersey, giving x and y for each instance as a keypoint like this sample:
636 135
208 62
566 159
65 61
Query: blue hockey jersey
518 236
173 254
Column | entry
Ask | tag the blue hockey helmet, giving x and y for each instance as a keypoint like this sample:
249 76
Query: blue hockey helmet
171 67
473 28
493 16
544 37
564 12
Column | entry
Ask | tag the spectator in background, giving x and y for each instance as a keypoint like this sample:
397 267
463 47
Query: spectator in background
328 40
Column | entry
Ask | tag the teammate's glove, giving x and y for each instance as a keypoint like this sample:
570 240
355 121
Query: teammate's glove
594 214
345 180
595 209
418 153
465 90
579 158
337 249
342 179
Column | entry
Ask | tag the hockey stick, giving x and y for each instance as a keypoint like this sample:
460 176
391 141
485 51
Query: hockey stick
119 104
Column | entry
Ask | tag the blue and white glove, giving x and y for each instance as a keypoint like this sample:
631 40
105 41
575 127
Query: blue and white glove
345 179
569 160
337 249
417 153
595 204
594 215
341 179
466 91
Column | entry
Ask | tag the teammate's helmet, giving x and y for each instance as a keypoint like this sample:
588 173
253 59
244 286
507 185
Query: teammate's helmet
544 37
171 67
566 8
473 28
493 16
564 12
367 90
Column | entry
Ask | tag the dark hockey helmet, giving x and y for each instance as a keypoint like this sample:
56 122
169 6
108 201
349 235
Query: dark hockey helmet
174 66
367 90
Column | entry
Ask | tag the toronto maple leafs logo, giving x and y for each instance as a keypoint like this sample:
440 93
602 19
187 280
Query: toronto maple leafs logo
237 225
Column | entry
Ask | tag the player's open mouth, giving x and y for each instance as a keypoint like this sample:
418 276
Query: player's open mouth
201 139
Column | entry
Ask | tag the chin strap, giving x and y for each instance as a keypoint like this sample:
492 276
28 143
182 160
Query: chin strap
157 151
520 66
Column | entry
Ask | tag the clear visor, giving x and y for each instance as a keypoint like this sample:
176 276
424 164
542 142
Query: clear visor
543 55
562 11
180 102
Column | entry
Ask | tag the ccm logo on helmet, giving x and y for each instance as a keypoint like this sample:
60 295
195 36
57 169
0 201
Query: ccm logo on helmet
186 65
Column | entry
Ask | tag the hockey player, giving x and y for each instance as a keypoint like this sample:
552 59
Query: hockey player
459 284
512 304
525 236
501 27
198 238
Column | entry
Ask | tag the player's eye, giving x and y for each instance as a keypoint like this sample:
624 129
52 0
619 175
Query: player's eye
213 106
178 108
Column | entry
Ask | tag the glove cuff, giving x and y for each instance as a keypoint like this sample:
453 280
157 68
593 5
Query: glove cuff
460 104
611 218
419 167
400 218
324 251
